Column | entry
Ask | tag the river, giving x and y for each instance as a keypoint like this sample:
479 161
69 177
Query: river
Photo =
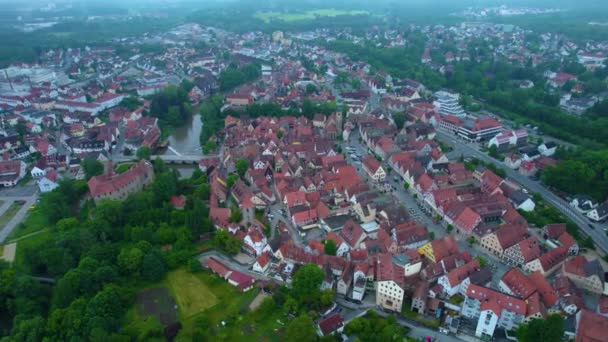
186 139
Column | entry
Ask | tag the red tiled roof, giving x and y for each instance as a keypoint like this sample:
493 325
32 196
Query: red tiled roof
217 267
553 257
107 183
371 164
546 291
591 327
494 300
519 284
468 219
554 230
331 324
457 275
529 248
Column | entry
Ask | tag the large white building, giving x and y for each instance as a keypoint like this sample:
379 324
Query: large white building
448 103
492 310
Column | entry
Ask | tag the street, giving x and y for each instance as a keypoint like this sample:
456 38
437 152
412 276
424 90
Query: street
470 150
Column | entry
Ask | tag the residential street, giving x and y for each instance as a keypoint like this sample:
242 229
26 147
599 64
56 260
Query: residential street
471 150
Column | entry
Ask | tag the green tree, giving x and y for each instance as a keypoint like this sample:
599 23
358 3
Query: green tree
550 329
143 152
307 283
91 167
130 260
28 330
301 329
399 119
153 266
209 146
242 165
330 247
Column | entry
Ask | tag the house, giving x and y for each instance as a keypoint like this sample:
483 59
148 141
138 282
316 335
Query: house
255 241
505 237
600 213
352 233
390 284
548 262
588 275
331 324
241 281
452 280
583 203
547 149
439 249
514 283
492 310
591 327
120 186
37 173
373 168
48 182
178 202
217 267
522 252
262 263
11 172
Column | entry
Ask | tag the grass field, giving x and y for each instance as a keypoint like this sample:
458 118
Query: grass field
34 222
192 295
308 15
123 167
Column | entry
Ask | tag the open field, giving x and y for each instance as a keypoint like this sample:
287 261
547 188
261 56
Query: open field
34 222
308 15
192 295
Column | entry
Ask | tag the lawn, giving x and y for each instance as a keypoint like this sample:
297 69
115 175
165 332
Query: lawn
308 15
34 222
191 293
123 167
9 214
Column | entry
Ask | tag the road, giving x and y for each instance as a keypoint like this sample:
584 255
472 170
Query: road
19 216
470 150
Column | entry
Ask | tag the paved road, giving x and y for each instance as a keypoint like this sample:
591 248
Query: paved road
470 150
12 224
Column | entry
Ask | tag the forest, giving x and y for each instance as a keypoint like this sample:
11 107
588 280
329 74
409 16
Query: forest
98 256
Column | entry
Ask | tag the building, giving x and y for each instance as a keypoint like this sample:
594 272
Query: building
452 281
548 262
509 138
11 172
585 274
591 327
448 104
492 310
331 324
390 283
479 129
119 186
374 169
600 213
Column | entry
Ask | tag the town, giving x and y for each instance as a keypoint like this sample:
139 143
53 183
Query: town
398 198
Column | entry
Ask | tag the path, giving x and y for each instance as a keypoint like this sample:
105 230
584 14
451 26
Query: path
19 216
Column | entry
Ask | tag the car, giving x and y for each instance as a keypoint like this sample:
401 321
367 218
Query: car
591 226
